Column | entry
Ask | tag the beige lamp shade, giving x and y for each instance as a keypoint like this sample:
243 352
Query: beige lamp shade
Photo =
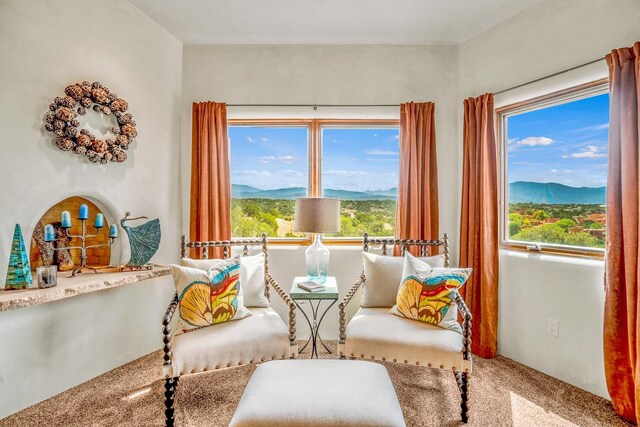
317 215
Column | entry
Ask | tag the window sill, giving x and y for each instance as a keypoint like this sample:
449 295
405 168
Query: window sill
549 253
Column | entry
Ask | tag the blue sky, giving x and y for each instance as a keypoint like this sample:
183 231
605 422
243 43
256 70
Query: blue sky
353 159
566 143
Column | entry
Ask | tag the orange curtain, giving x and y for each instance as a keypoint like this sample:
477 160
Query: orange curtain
622 306
210 216
479 223
417 213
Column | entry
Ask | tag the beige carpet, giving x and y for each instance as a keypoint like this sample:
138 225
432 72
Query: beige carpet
503 393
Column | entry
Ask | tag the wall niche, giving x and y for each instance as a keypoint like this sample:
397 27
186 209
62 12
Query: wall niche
69 259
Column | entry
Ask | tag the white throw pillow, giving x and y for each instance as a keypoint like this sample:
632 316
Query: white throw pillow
426 294
383 275
251 277
209 297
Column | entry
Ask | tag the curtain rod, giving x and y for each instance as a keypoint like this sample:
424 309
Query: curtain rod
315 106
548 77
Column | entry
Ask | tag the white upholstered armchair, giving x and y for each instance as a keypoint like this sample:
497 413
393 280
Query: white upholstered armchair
260 337
375 334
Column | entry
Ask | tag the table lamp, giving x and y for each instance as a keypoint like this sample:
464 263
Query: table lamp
317 215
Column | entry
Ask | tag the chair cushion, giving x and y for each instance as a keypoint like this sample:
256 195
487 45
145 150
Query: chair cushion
209 297
252 282
262 336
383 274
288 393
426 293
373 333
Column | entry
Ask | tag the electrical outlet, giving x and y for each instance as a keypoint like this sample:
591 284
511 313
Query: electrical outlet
553 327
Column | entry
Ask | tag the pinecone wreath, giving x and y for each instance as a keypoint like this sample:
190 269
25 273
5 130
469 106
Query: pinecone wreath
61 121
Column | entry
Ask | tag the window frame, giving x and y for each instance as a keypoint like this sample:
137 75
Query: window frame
314 158
502 114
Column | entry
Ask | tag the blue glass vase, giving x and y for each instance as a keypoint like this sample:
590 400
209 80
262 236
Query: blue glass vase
317 257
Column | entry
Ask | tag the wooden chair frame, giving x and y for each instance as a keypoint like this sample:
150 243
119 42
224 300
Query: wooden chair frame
462 377
171 383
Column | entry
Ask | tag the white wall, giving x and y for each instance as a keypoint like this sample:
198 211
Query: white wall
327 75
551 37
44 46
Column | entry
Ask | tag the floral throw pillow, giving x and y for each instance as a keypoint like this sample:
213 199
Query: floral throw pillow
209 297
425 293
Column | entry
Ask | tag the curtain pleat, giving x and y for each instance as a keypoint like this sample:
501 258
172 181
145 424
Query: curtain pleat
417 213
210 213
622 307
479 223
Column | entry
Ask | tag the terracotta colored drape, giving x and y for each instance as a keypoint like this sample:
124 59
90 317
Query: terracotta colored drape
622 306
210 216
479 223
417 213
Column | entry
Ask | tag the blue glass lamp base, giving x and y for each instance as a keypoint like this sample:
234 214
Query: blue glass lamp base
317 257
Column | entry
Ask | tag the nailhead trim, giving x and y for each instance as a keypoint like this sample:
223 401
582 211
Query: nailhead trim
205 369
228 365
384 359
429 364
395 360
372 357
262 359
193 371
405 361
217 366
441 366
181 373
417 363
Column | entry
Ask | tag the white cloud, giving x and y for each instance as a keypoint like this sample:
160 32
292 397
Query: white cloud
564 171
377 152
589 152
534 141
287 159
250 140
284 159
339 172
396 136
602 126
251 172
263 139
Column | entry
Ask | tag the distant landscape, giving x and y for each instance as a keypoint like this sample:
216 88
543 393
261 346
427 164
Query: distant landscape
255 211
538 212
557 213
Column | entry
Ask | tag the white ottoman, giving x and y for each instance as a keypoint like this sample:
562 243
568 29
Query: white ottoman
319 393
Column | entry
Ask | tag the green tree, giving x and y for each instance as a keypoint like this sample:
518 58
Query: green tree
565 223
514 228
596 226
540 215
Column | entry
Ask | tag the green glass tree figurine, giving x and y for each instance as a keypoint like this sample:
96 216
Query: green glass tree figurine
19 270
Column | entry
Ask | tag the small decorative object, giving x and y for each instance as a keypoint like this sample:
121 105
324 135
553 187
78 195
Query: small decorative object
317 215
144 241
19 270
83 215
47 276
62 121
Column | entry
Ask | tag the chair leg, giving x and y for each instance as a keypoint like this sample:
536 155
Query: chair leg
170 385
462 378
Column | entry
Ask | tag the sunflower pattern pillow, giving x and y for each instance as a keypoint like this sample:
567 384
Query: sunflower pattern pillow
209 297
425 293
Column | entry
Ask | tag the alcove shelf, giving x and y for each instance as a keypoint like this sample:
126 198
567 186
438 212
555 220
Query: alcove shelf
72 286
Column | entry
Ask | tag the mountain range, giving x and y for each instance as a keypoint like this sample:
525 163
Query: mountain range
519 192
239 191
554 193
